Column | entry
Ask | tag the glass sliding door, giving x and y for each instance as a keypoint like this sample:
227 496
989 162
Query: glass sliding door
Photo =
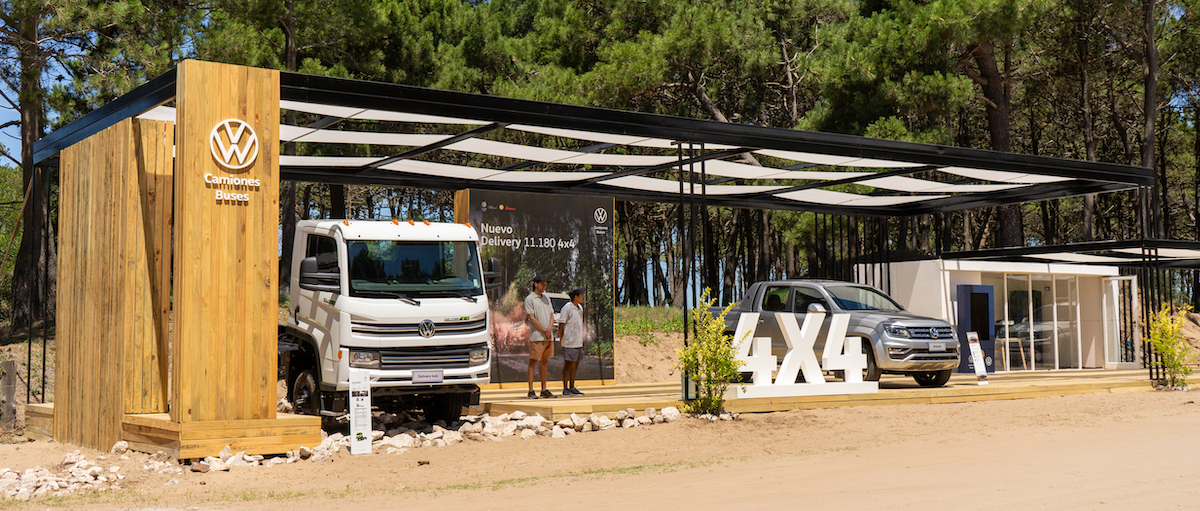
1018 340
1041 296
1066 310
996 280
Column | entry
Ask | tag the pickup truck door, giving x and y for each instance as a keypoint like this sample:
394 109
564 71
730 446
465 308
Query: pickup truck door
774 300
802 297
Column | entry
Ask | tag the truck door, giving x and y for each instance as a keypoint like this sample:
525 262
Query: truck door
315 311
802 297
774 301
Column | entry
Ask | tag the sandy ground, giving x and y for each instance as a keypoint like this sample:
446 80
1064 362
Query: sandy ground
1095 451
647 363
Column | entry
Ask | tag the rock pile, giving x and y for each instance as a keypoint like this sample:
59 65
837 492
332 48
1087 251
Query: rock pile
76 474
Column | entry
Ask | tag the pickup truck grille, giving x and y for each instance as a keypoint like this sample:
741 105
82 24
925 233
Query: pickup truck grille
924 355
925 332
411 329
428 357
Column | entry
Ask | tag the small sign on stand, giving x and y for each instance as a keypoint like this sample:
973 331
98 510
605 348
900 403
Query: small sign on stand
360 412
977 357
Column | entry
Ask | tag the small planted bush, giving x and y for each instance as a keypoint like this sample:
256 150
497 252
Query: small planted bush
1166 336
710 359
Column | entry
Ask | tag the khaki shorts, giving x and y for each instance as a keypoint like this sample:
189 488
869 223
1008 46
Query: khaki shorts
540 350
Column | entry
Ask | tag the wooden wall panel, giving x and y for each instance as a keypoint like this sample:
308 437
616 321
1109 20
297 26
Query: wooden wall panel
226 252
111 350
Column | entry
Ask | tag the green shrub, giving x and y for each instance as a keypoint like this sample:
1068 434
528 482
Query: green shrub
1166 336
710 360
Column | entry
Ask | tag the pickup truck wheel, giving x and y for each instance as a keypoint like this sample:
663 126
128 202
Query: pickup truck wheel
872 371
445 407
305 396
932 378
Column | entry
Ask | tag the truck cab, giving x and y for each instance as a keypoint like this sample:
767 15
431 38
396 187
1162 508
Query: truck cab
401 300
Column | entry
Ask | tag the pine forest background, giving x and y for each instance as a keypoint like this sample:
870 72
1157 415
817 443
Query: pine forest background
1113 80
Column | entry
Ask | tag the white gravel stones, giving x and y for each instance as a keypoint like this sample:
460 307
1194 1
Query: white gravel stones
526 434
119 448
671 414
629 422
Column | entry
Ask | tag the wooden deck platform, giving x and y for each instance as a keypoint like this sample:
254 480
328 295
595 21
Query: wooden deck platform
893 390
153 432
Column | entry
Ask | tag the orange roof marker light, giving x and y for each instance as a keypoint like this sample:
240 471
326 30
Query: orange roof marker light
468 224
410 222
427 222
346 222
395 222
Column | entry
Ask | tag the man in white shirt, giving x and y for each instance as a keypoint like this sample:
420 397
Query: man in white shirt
570 332
539 314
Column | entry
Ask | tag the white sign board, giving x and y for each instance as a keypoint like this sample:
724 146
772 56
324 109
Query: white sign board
360 412
838 354
977 357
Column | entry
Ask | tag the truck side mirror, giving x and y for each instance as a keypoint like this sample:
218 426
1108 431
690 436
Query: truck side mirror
816 307
313 279
491 274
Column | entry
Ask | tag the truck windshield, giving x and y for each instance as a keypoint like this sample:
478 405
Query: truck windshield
862 298
414 268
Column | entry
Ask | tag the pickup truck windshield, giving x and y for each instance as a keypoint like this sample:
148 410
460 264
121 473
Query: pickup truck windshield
860 298
414 268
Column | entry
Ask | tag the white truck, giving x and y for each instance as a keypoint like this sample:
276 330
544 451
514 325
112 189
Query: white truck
403 300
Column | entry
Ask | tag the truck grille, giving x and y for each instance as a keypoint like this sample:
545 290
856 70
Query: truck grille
428 357
412 329
924 355
924 332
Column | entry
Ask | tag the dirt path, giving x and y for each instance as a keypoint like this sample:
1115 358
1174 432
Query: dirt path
1095 451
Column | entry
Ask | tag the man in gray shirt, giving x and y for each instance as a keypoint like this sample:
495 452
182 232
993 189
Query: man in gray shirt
539 314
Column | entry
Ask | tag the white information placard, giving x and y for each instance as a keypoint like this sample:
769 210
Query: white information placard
360 412
977 357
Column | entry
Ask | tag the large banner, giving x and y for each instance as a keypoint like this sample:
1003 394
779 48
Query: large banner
570 241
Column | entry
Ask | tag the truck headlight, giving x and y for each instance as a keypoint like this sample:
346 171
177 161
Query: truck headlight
364 359
898 332
479 356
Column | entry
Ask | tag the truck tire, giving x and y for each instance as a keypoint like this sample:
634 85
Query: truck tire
872 371
445 407
306 398
932 378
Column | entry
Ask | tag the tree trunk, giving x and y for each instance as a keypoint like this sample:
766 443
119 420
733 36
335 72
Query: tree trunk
1149 109
1089 133
33 286
287 188
337 201
998 115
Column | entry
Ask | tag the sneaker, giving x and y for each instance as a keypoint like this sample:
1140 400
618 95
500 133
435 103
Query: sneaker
567 393
545 393
576 391
532 395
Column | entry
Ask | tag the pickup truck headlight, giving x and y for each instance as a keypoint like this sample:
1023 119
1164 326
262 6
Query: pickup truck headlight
364 359
896 331
479 356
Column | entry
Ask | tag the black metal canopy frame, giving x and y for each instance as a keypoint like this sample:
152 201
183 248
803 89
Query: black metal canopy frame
618 154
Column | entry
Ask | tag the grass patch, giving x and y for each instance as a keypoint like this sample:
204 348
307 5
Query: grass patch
644 322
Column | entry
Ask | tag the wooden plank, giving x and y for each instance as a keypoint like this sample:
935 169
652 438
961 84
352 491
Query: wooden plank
226 253
263 445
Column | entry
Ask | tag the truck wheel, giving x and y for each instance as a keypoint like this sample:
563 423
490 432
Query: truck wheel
445 407
306 399
872 371
932 378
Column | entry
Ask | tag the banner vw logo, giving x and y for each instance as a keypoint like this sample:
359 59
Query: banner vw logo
239 141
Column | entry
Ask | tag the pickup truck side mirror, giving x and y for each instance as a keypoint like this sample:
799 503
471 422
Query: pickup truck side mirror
816 307
313 279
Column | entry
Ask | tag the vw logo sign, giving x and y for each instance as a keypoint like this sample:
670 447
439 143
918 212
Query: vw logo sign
600 215
426 329
933 333
238 148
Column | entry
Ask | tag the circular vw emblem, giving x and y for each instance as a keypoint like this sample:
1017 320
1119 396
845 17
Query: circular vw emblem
238 148
933 333
426 329
601 215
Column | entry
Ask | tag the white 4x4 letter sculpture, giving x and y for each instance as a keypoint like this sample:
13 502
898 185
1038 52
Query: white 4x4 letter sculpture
837 355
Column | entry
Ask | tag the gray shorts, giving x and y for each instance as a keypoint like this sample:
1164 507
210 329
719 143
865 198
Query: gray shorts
572 354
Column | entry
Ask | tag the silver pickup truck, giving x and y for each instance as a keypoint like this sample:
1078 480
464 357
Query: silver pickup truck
895 341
